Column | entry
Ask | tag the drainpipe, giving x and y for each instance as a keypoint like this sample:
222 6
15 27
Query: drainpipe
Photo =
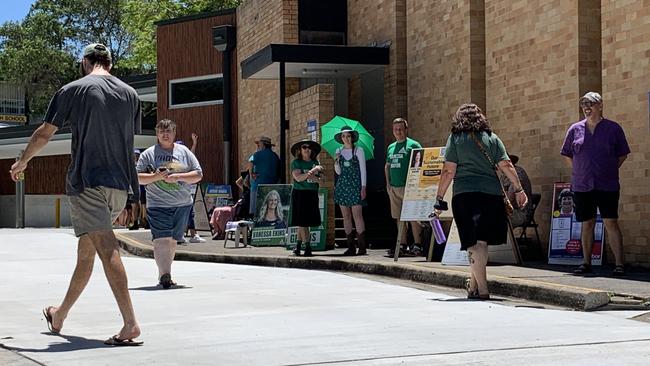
224 40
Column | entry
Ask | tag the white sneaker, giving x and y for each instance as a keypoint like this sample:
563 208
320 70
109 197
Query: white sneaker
182 242
197 239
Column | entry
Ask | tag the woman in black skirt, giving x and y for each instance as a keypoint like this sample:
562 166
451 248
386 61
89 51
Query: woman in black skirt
306 173
472 154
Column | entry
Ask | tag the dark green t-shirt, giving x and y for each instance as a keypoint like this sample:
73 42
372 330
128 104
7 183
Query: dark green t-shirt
397 156
474 172
304 167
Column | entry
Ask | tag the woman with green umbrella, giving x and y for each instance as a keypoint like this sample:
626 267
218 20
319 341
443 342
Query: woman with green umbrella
306 173
350 188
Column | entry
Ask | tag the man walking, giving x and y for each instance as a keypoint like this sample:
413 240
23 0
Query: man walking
396 170
102 113
596 148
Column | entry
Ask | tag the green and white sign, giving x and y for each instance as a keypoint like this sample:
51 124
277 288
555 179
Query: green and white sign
272 207
317 234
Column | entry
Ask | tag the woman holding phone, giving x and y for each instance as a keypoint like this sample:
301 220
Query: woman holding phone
168 170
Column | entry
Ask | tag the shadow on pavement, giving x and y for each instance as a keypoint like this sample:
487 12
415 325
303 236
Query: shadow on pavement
73 344
159 288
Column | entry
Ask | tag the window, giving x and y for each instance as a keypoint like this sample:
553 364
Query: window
196 91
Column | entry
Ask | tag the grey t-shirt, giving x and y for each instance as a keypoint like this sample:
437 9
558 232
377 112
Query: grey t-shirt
179 160
103 114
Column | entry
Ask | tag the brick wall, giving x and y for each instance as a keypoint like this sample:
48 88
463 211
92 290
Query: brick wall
381 21
626 83
533 84
261 22
446 52
315 103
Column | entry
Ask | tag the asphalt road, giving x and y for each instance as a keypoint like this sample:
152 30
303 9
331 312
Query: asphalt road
240 315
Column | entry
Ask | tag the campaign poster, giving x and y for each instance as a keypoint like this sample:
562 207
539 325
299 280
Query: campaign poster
317 234
425 169
216 195
271 215
565 245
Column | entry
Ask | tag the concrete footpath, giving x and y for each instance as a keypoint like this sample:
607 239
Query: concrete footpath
542 283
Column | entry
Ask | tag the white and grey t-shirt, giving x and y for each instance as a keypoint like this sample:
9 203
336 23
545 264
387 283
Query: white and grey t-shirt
178 160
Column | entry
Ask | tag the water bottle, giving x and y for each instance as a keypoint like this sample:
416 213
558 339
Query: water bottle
438 232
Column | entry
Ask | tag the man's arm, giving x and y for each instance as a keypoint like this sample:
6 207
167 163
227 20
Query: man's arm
569 161
37 142
387 174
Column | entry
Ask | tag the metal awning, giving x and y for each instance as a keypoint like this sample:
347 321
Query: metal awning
313 61
13 140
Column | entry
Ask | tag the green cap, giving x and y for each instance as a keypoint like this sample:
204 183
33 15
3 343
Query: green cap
97 49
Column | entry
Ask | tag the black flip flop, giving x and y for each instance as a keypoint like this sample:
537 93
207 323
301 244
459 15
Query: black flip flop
48 319
117 342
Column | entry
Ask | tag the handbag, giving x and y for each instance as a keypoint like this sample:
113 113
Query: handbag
508 205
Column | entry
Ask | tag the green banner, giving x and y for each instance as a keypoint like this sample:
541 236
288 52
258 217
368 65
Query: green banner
272 205
318 234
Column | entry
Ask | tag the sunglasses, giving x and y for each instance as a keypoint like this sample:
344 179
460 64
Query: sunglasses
587 103
305 147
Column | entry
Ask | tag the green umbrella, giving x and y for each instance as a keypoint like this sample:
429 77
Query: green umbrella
331 128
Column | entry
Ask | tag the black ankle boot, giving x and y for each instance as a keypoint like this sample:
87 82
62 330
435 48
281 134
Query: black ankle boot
352 250
296 251
361 238
307 250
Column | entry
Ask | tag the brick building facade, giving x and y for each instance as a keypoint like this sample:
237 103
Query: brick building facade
525 63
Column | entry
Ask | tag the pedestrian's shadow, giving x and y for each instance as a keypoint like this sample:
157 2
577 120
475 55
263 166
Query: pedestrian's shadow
159 288
73 343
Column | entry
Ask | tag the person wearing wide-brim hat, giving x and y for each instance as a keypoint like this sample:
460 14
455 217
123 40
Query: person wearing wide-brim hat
306 173
350 188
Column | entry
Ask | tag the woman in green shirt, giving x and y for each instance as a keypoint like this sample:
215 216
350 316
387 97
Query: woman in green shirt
472 154
306 173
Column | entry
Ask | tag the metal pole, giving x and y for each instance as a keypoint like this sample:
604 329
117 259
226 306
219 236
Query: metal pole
20 200
283 123
227 116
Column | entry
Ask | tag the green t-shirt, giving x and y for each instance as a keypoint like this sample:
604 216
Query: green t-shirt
397 157
304 167
474 172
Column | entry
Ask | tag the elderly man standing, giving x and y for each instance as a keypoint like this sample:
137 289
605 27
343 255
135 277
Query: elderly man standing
396 170
596 148
102 113
264 167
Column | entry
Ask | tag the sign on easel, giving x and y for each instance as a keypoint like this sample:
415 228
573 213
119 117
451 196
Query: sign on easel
206 197
425 168
453 256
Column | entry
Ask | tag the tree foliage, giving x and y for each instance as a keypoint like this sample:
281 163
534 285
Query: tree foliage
41 52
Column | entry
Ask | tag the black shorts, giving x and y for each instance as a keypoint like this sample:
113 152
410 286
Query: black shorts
480 216
587 202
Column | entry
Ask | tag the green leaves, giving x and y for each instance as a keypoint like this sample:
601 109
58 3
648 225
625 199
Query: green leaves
41 51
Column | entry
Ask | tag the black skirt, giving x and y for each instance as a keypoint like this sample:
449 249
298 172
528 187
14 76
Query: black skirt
304 208
480 216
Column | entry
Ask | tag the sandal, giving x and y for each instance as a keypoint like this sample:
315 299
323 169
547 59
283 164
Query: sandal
583 269
48 319
116 341
618 271
474 295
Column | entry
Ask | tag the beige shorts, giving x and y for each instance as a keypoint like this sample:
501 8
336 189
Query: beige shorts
95 209
396 196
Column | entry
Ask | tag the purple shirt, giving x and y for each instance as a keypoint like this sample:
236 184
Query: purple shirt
595 156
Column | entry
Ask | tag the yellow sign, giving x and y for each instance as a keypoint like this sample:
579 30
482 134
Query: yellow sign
425 168
13 118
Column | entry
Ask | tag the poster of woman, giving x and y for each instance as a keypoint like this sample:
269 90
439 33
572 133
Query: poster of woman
271 215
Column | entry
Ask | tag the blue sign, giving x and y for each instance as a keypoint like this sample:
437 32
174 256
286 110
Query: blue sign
311 125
